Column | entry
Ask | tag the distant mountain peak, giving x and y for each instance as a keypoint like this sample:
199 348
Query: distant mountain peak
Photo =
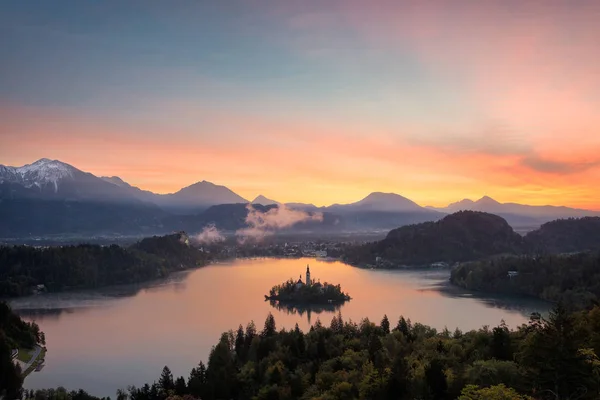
380 201
115 180
39 173
262 200
487 200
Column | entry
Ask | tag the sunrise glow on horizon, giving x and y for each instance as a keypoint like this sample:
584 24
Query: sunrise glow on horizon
317 102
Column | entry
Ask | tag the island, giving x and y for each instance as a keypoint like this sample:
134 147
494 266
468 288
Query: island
308 292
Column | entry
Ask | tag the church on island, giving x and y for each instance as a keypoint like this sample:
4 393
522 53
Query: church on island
308 291
309 282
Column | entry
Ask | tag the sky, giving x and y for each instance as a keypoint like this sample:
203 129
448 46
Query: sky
317 101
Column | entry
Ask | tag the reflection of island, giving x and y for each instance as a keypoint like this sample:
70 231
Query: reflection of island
297 297
310 292
301 309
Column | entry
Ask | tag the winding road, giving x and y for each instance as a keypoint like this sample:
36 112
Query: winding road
34 355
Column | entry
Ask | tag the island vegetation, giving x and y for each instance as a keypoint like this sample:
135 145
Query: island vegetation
309 292
26 269
573 279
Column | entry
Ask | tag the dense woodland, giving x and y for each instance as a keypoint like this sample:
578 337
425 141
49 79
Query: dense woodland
90 266
466 235
554 358
14 334
565 236
472 235
573 279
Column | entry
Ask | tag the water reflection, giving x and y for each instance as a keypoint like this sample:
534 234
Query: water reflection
100 340
516 303
308 309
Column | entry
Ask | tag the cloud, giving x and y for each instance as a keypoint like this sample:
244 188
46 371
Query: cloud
209 235
556 167
262 224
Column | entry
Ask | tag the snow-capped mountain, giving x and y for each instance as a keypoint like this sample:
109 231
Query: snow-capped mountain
55 180
40 174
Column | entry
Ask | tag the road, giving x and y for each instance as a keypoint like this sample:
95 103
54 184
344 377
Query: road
34 356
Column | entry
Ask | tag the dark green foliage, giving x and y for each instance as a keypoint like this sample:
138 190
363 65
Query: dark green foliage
361 361
571 278
14 334
463 236
436 380
291 292
61 393
385 325
565 235
90 266
10 374
166 382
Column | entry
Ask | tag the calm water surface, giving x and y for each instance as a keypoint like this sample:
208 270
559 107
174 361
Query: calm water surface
104 340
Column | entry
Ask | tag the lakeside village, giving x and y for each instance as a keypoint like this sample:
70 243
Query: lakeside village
307 292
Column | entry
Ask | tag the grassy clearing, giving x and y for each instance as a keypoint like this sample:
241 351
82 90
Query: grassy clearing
24 355
37 361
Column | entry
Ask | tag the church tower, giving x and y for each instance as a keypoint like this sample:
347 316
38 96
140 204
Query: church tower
308 275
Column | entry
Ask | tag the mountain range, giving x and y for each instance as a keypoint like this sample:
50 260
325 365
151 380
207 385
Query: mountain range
50 196
517 214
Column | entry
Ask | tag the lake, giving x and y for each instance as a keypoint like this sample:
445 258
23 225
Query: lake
107 339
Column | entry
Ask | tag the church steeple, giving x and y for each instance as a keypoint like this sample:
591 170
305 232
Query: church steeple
307 275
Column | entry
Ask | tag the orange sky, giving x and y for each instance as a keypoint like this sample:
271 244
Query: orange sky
318 104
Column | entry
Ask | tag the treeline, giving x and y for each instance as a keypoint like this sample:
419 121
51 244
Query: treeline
14 334
463 236
472 235
554 358
573 279
22 268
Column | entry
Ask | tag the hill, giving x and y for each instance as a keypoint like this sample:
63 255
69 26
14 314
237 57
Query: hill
14 334
22 268
573 279
565 235
466 235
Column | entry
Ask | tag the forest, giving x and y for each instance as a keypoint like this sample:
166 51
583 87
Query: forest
471 235
14 333
60 268
547 358
573 279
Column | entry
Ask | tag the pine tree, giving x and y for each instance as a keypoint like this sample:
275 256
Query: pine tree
180 386
436 380
270 328
385 325
240 348
165 381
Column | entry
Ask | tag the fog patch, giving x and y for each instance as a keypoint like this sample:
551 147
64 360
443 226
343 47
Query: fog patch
209 235
262 224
